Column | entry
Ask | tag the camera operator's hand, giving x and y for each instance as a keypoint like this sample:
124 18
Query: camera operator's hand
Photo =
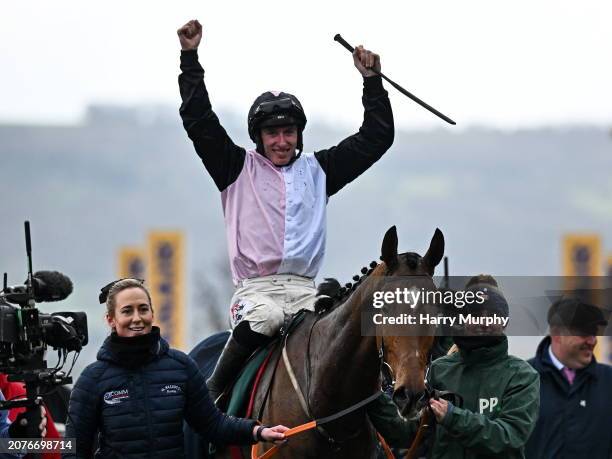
19 427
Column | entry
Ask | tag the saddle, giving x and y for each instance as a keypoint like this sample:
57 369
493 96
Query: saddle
243 389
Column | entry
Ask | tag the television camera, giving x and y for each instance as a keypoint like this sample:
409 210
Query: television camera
26 333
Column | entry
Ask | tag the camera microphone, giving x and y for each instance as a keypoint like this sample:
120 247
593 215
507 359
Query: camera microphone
51 286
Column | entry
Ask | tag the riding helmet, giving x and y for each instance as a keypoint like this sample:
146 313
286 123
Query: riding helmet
274 108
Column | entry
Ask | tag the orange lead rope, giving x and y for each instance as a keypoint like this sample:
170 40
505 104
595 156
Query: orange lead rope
426 419
313 424
386 449
303 428
272 451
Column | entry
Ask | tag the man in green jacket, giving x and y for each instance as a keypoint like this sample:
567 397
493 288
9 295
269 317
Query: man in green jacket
501 393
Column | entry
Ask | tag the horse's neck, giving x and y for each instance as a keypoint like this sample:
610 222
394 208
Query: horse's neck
345 358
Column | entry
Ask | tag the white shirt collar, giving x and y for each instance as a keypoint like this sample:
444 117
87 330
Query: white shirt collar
554 359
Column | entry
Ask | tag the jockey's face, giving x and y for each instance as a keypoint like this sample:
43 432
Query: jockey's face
133 314
279 143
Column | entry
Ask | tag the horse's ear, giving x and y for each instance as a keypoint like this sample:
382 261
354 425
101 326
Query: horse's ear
389 248
435 252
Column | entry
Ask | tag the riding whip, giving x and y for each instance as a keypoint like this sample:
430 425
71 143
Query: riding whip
423 104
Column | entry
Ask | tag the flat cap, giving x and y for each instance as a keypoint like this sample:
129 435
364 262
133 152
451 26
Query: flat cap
577 316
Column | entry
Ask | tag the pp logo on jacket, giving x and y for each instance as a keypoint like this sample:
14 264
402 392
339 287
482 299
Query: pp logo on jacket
115 397
490 403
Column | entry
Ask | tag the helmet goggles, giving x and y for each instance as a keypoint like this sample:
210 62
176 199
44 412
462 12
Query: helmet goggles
271 107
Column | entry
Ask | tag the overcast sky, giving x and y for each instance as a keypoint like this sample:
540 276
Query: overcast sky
499 63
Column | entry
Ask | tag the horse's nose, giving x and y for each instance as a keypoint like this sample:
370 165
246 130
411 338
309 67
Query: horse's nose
400 396
405 399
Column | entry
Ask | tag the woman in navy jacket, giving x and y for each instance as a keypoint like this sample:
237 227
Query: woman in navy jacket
139 391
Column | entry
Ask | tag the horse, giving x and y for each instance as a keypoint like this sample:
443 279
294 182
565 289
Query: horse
335 365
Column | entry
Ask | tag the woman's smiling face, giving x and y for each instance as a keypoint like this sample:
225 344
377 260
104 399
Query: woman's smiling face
133 314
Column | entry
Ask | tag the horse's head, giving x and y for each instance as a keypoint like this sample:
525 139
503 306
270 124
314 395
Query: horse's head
407 356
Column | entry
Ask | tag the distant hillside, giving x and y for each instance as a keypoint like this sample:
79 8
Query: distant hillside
502 199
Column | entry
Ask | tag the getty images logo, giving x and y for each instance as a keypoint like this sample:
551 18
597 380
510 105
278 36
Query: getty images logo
114 397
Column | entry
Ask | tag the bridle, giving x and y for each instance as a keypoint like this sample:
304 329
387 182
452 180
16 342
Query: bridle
388 375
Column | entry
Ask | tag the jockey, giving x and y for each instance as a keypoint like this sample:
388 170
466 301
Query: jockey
274 196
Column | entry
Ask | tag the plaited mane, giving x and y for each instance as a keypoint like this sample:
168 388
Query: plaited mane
330 293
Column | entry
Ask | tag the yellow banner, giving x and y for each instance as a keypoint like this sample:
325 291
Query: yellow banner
166 257
132 263
582 260
582 255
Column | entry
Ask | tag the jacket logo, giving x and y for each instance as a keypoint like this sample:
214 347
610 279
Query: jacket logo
114 397
583 403
171 389
490 403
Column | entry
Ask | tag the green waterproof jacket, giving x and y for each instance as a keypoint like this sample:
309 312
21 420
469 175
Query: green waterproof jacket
501 397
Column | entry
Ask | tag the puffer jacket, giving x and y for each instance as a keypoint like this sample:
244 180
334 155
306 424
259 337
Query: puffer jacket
139 412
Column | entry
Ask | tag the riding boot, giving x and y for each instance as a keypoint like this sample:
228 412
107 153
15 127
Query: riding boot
229 364
241 344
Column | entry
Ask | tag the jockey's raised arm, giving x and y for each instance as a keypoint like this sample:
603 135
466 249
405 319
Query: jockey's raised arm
274 195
